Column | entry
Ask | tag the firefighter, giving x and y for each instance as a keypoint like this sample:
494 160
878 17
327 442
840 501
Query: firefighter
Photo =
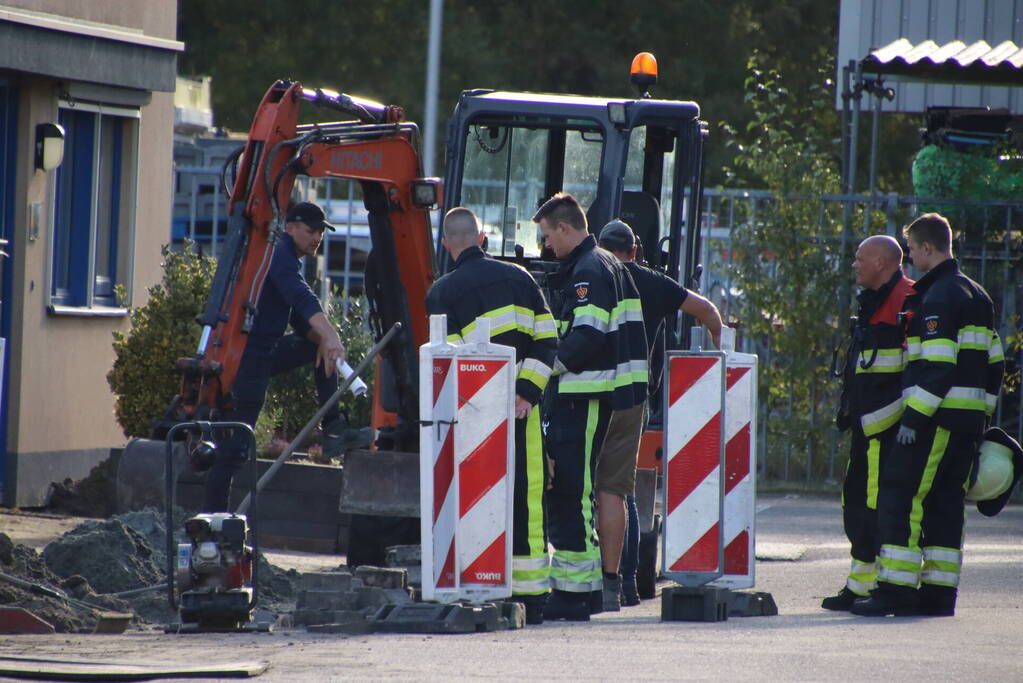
950 388
871 403
601 367
661 298
480 286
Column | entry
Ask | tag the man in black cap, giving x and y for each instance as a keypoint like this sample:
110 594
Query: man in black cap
286 298
661 298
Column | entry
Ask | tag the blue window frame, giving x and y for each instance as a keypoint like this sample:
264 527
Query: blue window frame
93 206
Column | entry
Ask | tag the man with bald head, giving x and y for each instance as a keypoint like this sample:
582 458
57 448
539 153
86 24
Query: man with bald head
479 286
871 403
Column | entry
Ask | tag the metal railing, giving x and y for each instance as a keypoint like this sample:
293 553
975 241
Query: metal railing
989 237
991 234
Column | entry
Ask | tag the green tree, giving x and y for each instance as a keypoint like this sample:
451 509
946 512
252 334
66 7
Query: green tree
791 266
378 50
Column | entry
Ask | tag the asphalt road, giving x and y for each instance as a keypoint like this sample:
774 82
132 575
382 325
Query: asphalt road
983 642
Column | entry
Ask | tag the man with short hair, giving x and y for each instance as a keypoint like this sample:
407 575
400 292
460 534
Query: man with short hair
661 298
286 298
950 389
871 404
479 286
601 367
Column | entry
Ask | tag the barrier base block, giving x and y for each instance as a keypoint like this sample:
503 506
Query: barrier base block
742 604
706 603
430 617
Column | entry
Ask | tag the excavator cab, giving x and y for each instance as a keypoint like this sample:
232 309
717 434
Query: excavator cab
639 160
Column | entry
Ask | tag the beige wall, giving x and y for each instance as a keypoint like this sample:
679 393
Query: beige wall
156 18
61 418
59 362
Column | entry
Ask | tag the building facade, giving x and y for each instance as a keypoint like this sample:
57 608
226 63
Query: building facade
100 75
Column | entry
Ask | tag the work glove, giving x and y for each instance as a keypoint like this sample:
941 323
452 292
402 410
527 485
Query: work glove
906 436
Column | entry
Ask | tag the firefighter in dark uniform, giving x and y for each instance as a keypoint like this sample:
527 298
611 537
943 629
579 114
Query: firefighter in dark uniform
871 403
601 366
950 389
480 286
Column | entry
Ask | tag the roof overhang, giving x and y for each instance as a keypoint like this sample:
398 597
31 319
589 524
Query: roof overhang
953 63
74 50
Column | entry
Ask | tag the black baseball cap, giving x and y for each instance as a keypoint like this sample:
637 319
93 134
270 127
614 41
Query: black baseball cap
310 214
617 235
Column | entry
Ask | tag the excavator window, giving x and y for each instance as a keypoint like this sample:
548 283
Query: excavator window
510 170
647 196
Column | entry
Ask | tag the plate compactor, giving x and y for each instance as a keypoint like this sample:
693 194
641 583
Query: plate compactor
212 577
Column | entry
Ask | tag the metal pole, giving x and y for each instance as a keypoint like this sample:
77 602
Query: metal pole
432 77
874 124
854 135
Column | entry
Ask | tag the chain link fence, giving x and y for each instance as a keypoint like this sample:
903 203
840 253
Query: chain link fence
988 236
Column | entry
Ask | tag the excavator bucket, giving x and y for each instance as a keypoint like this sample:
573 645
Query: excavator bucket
384 483
142 474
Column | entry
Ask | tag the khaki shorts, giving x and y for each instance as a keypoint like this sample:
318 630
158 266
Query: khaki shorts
616 466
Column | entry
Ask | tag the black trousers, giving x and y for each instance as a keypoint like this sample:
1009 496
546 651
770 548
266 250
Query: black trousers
860 490
259 363
921 506
574 435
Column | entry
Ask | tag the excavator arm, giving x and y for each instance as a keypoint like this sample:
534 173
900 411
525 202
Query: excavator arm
379 150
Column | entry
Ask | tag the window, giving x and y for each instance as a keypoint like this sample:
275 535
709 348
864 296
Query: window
93 205
507 171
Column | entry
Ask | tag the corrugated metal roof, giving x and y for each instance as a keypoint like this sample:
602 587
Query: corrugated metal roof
954 62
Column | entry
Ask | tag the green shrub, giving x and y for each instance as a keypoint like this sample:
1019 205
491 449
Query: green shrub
143 377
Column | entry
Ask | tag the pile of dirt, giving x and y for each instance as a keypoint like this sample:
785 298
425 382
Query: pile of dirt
123 553
93 496
22 562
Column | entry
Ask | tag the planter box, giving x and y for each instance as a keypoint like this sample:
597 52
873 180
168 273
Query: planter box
297 510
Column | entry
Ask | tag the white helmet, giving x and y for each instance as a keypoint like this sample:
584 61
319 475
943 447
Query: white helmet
996 471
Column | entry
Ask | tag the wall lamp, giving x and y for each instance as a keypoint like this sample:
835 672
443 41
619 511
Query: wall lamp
49 146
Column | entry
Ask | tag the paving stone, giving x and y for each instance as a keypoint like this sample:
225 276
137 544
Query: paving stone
404 556
372 597
326 581
382 577
327 600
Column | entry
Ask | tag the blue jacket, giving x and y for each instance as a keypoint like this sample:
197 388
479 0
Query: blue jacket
286 297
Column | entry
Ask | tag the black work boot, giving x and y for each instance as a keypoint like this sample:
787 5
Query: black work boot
887 599
841 602
534 605
630 594
937 601
339 437
568 606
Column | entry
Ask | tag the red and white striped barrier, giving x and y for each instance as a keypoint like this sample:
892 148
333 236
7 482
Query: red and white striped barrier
437 491
693 457
467 468
740 430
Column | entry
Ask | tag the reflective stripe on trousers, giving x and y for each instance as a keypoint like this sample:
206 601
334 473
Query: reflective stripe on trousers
862 577
530 561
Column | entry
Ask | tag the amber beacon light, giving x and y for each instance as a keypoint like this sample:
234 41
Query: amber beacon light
644 72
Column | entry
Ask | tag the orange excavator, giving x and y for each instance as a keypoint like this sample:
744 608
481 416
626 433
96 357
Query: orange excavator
210 577
380 150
